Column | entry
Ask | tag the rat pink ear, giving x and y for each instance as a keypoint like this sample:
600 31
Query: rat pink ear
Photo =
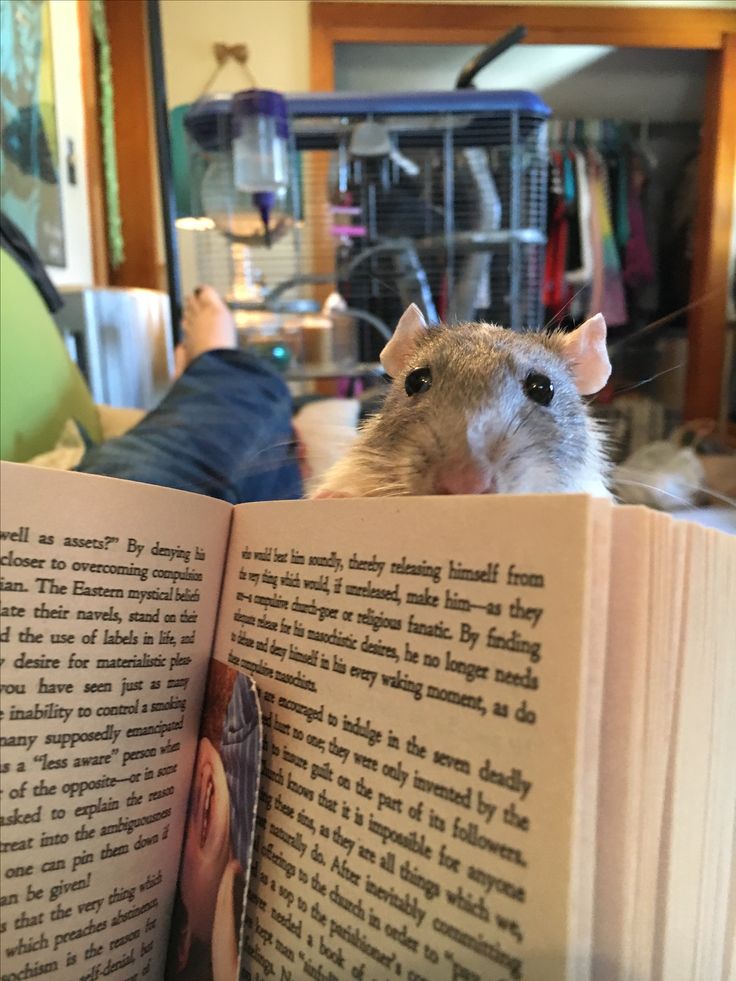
584 349
399 349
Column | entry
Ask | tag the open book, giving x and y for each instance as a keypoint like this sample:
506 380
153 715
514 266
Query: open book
463 738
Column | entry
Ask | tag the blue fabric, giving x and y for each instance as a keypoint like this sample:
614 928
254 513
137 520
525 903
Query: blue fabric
569 179
223 430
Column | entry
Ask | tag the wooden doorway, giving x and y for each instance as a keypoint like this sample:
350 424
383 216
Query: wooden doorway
711 30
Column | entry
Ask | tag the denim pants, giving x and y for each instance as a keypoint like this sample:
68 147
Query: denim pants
223 430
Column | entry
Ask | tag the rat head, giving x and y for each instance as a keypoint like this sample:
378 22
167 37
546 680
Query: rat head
475 408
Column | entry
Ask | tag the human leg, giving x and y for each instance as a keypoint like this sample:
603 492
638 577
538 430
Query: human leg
223 430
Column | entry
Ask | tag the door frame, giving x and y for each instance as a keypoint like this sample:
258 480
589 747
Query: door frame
636 27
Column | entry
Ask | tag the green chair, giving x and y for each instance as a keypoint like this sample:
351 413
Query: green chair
40 386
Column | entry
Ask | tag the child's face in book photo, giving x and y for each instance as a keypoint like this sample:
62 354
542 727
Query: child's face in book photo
216 852
207 845
224 932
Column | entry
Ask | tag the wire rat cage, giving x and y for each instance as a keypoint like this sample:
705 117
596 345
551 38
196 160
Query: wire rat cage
433 198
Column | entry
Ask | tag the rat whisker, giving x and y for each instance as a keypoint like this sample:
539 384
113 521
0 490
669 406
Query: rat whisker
388 490
438 438
272 447
562 309
652 487
644 381
519 423
661 321
724 498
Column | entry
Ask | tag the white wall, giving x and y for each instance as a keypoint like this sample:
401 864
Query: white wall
70 125
276 33
703 4
575 80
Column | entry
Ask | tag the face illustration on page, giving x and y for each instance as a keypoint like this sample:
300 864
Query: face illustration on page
219 834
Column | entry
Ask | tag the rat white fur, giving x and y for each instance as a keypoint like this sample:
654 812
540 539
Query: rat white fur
474 427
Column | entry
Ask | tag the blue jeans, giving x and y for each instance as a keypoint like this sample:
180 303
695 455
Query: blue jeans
223 430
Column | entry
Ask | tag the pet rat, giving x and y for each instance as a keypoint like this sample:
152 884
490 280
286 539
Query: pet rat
477 409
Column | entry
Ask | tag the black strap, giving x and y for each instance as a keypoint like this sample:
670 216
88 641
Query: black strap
14 241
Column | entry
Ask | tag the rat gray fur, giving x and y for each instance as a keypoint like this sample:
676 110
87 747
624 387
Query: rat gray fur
476 420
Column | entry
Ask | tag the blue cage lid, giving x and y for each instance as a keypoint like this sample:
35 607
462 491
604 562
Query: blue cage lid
209 120
397 103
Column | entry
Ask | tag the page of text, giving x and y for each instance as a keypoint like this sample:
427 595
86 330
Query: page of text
418 664
109 595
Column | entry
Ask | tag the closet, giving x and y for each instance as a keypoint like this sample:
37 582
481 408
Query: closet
650 91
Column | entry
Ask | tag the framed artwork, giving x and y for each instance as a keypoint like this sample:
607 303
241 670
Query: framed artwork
30 192
42 136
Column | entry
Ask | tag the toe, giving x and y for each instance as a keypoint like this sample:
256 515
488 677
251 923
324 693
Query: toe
209 296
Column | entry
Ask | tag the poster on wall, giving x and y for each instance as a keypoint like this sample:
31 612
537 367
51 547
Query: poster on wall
30 185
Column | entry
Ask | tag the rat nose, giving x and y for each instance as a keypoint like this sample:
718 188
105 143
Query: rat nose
464 480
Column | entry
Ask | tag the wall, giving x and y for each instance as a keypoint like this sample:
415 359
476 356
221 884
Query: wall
575 80
704 4
277 37
70 121
70 126
276 33
54 215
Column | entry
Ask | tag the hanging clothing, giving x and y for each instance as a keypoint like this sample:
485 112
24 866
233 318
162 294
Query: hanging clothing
601 232
572 255
595 300
554 289
583 273
611 288
619 183
638 261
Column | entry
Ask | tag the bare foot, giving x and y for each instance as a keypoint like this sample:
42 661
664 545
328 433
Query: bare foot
207 325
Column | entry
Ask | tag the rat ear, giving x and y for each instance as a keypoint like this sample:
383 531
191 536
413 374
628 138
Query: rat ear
584 349
398 350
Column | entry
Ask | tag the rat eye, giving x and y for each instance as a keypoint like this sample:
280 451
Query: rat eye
418 381
538 388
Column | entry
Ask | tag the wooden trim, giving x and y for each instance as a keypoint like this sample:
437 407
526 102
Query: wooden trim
321 57
691 28
136 152
438 23
712 237
93 146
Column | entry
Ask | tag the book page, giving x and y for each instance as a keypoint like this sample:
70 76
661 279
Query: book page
697 937
663 673
419 665
581 927
711 931
109 597
622 736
